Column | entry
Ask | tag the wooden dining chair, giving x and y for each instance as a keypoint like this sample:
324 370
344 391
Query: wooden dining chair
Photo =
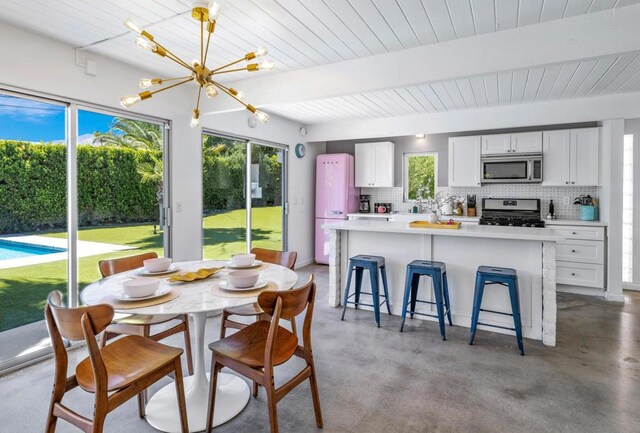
113 374
282 258
255 350
138 324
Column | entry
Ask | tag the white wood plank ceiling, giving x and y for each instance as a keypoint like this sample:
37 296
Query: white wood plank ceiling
306 33
607 75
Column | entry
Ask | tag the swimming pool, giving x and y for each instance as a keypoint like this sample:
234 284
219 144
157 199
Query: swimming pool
17 250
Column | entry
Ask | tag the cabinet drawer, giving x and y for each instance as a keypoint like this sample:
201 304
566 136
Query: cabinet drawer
582 233
579 274
581 251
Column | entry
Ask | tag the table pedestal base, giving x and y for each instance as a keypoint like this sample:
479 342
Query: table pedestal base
232 396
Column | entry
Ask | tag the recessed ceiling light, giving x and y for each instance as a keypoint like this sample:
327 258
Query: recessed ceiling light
420 135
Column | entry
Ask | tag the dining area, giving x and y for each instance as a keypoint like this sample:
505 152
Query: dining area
142 300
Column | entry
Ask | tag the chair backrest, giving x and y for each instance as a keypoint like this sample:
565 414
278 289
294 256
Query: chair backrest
123 264
282 258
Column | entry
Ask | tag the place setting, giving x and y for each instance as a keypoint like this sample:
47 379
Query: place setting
243 278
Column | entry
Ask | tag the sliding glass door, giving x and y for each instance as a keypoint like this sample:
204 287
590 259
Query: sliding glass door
78 185
243 196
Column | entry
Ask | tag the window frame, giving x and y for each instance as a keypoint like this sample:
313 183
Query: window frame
405 172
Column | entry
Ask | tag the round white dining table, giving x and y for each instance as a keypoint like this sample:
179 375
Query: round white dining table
196 298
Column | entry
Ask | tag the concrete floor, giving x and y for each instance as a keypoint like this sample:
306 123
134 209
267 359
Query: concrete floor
379 380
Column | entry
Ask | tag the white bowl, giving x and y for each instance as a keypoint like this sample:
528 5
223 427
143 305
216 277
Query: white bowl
242 259
140 287
241 279
157 265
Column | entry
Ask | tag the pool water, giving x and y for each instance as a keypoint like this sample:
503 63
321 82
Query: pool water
16 250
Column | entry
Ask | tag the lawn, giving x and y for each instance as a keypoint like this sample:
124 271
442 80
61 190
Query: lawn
23 290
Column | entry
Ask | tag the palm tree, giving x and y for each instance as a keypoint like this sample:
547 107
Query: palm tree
135 134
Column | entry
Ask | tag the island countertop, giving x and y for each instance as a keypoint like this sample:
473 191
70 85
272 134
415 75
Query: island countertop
472 231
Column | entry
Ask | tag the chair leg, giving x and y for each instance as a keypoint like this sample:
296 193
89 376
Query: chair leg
255 389
346 292
405 300
415 284
477 302
294 329
271 402
375 291
383 271
213 386
359 273
437 288
445 292
315 396
141 405
182 404
187 344
100 414
517 320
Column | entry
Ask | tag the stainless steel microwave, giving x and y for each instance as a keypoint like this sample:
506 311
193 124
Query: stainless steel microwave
524 168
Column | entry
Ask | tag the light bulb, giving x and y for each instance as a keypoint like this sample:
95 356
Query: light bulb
266 65
261 116
237 93
214 10
212 91
131 25
195 122
146 44
262 51
195 63
145 83
128 101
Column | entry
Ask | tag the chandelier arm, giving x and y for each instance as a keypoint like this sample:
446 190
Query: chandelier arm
201 43
224 89
164 80
171 86
227 65
228 70
198 100
206 51
170 55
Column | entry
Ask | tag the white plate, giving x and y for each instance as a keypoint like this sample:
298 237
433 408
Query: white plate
254 265
172 268
122 296
226 285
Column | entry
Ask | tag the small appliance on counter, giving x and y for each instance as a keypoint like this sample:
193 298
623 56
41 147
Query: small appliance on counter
471 205
518 212
552 211
365 204
382 207
588 207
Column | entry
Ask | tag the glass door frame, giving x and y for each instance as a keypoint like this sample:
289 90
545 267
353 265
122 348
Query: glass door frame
71 140
285 184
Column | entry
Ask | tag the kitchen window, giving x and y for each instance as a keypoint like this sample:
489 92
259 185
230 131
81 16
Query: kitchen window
420 170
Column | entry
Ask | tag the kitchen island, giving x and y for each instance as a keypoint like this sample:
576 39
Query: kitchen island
531 251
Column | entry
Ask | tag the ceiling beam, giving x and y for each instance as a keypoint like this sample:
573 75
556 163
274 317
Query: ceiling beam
567 40
619 106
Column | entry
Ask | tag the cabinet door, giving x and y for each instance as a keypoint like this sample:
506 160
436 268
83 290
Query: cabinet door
526 142
496 144
464 161
383 164
555 157
585 154
364 164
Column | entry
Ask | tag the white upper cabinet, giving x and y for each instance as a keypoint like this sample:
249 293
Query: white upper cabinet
526 142
520 142
374 164
464 161
571 157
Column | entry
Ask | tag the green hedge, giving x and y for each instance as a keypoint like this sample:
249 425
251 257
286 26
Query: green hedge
33 183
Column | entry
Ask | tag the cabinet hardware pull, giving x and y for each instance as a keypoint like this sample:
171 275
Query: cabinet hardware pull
574 233
573 251
573 274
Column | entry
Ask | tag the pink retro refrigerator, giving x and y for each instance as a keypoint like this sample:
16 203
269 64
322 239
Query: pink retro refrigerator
336 196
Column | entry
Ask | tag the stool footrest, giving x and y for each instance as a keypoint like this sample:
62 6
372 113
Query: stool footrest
497 326
422 314
488 283
497 312
425 302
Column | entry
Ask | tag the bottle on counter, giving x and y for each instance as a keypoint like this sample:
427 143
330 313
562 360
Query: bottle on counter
552 210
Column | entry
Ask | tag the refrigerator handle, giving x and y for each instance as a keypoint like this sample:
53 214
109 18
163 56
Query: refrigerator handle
336 212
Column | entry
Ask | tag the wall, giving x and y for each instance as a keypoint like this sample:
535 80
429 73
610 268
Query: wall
63 79
632 126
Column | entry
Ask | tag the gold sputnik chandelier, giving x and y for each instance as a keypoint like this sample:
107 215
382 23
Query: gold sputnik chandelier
198 72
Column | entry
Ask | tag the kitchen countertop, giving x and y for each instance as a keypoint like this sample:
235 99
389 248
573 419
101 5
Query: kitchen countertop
370 215
575 223
472 231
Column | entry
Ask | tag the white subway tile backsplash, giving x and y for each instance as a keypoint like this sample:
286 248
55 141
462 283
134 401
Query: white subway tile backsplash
545 194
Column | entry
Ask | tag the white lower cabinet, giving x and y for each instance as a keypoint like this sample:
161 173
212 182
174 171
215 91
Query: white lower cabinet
580 257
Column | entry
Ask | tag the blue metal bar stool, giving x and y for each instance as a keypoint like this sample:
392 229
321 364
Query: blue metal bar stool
438 273
372 264
507 277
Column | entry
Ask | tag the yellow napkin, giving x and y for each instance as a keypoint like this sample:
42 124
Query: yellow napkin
200 274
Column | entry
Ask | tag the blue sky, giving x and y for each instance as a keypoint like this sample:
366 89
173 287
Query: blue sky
28 120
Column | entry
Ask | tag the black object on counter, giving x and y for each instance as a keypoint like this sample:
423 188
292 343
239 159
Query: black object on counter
552 209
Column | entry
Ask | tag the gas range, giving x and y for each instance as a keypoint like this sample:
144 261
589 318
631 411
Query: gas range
514 212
